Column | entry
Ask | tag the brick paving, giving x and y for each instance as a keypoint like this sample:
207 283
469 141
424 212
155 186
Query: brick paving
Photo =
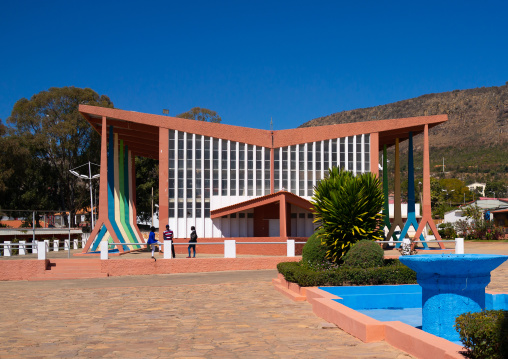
203 315
211 315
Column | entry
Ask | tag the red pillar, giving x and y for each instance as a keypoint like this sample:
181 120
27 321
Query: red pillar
163 179
427 209
103 187
374 153
283 217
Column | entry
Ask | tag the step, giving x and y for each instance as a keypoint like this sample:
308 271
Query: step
69 276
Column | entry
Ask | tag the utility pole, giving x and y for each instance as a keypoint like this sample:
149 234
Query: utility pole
443 164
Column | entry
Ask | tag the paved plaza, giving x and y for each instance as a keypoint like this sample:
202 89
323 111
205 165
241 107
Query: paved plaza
200 315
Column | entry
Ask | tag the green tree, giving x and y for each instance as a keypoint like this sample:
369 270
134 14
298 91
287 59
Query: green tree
147 177
497 188
201 114
57 138
348 209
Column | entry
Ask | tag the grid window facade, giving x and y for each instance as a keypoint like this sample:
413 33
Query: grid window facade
298 168
201 167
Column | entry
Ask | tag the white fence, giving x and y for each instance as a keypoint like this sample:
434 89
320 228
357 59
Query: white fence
55 245
229 247
459 243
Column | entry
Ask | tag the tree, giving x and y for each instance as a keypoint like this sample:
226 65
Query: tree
497 189
57 138
147 177
201 114
348 209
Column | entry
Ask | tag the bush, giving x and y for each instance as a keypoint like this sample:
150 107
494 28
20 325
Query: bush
392 273
364 254
447 231
484 334
348 209
313 251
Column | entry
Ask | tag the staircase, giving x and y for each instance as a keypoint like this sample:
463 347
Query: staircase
72 269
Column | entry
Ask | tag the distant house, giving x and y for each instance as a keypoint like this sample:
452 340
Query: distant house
454 216
480 187
484 203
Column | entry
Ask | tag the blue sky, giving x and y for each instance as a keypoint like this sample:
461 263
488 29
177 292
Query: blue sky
251 60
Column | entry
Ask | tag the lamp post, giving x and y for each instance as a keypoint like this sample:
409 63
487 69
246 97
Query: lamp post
90 178
449 196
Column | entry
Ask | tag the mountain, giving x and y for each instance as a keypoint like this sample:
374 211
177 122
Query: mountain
473 141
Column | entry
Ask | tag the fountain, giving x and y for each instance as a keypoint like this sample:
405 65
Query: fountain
452 284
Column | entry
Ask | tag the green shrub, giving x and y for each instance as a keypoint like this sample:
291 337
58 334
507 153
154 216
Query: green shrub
484 334
348 209
447 231
392 273
313 251
364 254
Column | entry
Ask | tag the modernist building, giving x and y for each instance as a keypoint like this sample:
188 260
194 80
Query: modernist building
230 181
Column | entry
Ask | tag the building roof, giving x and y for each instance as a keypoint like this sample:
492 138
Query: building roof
505 210
261 201
140 131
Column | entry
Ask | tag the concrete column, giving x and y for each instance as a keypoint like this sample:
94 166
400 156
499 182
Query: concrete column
56 244
374 153
41 249
104 250
67 244
34 247
75 244
7 249
22 248
167 249
163 179
459 245
291 248
229 248
46 241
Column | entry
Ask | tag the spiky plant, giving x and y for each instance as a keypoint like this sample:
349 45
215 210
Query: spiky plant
347 208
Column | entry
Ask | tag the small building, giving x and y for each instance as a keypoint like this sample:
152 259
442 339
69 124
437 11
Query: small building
484 203
479 187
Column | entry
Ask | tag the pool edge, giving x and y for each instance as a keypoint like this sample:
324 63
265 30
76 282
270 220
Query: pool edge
399 335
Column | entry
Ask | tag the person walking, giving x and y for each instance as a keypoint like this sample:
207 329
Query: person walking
153 242
168 235
192 241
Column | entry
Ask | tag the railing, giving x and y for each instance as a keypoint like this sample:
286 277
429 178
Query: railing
55 246
459 243
229 247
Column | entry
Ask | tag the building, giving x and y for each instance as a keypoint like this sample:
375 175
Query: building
230 181
497 205
479 187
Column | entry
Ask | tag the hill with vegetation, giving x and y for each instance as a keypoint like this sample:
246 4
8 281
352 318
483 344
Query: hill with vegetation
473 142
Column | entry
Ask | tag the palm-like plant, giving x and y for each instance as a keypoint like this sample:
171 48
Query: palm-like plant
348 209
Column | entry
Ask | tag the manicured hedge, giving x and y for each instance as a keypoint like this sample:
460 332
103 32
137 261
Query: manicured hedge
484 334
364 254
392 273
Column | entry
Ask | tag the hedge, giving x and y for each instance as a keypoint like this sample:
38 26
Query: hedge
392 273
484 334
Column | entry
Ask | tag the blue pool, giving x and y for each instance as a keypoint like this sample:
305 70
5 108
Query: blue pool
396 302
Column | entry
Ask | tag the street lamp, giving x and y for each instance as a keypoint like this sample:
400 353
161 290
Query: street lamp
90 178
449 196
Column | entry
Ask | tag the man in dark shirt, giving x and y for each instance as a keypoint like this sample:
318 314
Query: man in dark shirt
168 235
